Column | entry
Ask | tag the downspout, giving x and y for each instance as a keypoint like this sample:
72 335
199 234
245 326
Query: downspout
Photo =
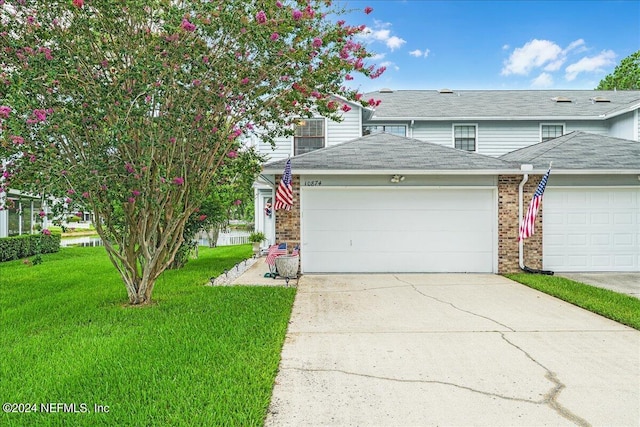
525 178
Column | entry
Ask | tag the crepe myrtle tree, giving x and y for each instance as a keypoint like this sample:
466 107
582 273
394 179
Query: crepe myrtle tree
232 186
130 107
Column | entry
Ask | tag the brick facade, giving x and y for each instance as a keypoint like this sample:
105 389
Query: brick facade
288 222
508 225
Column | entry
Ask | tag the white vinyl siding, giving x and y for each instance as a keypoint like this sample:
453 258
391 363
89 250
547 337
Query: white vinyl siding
435 132
346 130
495 138
622 126
283 148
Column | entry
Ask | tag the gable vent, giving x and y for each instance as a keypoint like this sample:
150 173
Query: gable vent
599 99
561 99
445 91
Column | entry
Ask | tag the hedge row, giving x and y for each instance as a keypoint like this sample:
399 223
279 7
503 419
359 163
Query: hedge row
28 244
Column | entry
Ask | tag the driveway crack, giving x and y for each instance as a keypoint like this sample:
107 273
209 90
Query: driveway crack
551 398
415 288
416 381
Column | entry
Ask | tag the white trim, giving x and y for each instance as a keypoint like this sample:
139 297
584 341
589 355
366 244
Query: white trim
636 125
493 118
593 187
324 133
453 135
563 124
399 188
455 171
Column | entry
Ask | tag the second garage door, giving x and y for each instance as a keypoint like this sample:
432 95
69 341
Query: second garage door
591 229
398 230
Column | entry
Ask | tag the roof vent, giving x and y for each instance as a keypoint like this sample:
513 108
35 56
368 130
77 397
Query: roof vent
386 90
560 99
599 99
445 91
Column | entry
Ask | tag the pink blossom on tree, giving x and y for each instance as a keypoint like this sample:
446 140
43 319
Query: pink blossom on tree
146 122
261 17
187 26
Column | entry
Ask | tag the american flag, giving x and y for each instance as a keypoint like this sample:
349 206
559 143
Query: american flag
527 225
284 194
274 252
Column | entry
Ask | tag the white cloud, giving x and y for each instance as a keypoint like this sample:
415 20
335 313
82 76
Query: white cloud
382 33
542 81
419 53
578 45
606 58
394 42
389 64
378 56
533 54
506 47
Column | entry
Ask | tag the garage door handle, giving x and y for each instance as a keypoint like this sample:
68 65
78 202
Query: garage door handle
350 242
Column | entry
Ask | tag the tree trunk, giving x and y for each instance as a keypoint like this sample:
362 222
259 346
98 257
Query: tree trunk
212 236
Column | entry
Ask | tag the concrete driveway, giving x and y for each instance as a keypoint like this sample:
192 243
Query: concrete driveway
450 349
623 283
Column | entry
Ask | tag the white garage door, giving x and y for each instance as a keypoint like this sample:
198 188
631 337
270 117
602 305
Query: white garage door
594 229
398 230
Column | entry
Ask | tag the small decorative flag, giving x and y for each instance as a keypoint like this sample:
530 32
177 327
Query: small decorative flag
284 194
527 224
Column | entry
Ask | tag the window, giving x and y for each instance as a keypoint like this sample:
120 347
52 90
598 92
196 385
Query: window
548 132
400 130
464 137
309 136
14 217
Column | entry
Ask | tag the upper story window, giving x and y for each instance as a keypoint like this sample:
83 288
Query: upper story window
400 130
309 136
548 132
464 137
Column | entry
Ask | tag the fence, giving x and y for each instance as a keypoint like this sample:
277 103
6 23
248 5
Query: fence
226 238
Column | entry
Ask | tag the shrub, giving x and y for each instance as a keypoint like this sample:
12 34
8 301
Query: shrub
23 246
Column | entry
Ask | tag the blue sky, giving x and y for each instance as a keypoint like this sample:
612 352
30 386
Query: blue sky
495 44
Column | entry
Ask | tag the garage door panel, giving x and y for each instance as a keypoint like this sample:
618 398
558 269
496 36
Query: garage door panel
410 262
412 230
600 233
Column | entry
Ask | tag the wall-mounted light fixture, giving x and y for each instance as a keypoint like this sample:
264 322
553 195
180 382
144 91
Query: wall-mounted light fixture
397 178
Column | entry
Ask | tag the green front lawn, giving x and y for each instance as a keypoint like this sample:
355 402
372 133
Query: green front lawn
199 356
621 308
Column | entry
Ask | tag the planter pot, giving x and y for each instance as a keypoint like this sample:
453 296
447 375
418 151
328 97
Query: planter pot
256 248
287 266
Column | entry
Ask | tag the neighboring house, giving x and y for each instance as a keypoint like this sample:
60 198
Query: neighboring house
438 189
21 215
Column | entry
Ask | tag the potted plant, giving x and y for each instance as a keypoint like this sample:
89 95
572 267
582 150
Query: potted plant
256 238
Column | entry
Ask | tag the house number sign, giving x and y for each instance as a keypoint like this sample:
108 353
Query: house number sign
315 183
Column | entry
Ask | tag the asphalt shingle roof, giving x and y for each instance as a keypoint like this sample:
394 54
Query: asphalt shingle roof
505 104
580 150
384 151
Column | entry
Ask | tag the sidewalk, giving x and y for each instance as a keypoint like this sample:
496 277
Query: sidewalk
254 275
